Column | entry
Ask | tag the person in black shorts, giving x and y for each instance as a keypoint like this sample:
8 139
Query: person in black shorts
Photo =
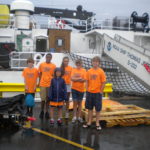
96 79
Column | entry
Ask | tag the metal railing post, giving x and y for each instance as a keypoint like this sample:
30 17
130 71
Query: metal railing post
86 25
129 24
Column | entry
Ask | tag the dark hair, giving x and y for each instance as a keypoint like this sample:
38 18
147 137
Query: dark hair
96 58
63 66
78 61
49 54
30 60
57 69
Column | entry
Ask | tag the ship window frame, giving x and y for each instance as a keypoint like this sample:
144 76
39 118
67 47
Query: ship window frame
59 42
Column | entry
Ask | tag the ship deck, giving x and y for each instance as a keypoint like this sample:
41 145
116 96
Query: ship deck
73 137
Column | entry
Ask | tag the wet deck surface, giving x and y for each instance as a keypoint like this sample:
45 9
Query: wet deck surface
116 138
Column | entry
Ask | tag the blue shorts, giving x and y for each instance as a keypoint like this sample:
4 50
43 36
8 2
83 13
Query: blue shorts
76 95
93 100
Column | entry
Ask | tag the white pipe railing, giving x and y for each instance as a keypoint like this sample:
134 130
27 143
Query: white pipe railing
18 59
45 21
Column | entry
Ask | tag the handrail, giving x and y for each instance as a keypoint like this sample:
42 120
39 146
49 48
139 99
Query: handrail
13 87
38 21
19 87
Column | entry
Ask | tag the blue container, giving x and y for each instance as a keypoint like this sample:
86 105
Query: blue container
29 100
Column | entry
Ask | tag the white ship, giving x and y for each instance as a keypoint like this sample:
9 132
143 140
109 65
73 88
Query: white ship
122 44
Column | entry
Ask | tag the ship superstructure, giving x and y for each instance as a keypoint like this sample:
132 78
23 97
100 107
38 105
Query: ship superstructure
122 44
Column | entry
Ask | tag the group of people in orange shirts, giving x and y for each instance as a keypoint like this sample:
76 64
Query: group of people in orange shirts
56 84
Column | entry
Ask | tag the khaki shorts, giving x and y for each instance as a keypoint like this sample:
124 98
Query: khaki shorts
44 93
68 88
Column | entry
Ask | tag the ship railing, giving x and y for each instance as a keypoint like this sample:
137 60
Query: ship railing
18 60
46 21
109 23
27 48
132 45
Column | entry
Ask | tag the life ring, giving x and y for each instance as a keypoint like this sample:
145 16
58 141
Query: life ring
37 57
60 24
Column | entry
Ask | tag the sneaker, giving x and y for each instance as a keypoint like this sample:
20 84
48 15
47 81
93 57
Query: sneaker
86 125
52 121
67 115
74 119
47 115
59 121
98 128
41 115
80 120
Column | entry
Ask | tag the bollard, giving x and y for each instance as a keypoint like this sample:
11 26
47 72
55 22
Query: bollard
107 89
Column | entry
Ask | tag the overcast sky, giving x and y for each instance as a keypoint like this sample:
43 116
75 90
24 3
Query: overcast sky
100 7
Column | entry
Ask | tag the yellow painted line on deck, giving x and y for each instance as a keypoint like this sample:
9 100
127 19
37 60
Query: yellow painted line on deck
62 139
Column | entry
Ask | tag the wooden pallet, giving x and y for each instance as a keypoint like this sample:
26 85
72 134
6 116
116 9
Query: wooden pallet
123 115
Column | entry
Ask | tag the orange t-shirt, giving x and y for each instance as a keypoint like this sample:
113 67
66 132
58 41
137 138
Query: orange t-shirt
67 75
47 70
79 86
95 79
30 75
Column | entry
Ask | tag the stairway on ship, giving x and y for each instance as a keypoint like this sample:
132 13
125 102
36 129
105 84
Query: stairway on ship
123 83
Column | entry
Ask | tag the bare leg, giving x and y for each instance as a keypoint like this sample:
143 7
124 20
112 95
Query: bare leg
59 113
47 105
97 118
79 109
90 117
74 108
67 102
52 112
47 101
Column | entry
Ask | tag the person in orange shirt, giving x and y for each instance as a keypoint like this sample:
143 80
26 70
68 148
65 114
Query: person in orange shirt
66 69
46 71
78 78
96 79
30 75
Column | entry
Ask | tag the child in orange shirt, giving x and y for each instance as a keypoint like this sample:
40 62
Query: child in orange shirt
66 70
96 79
46 71
78 78
30 75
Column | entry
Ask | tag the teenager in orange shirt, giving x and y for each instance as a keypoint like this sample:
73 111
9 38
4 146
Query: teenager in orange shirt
30 75
78 78
66 69
96 79
46 71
